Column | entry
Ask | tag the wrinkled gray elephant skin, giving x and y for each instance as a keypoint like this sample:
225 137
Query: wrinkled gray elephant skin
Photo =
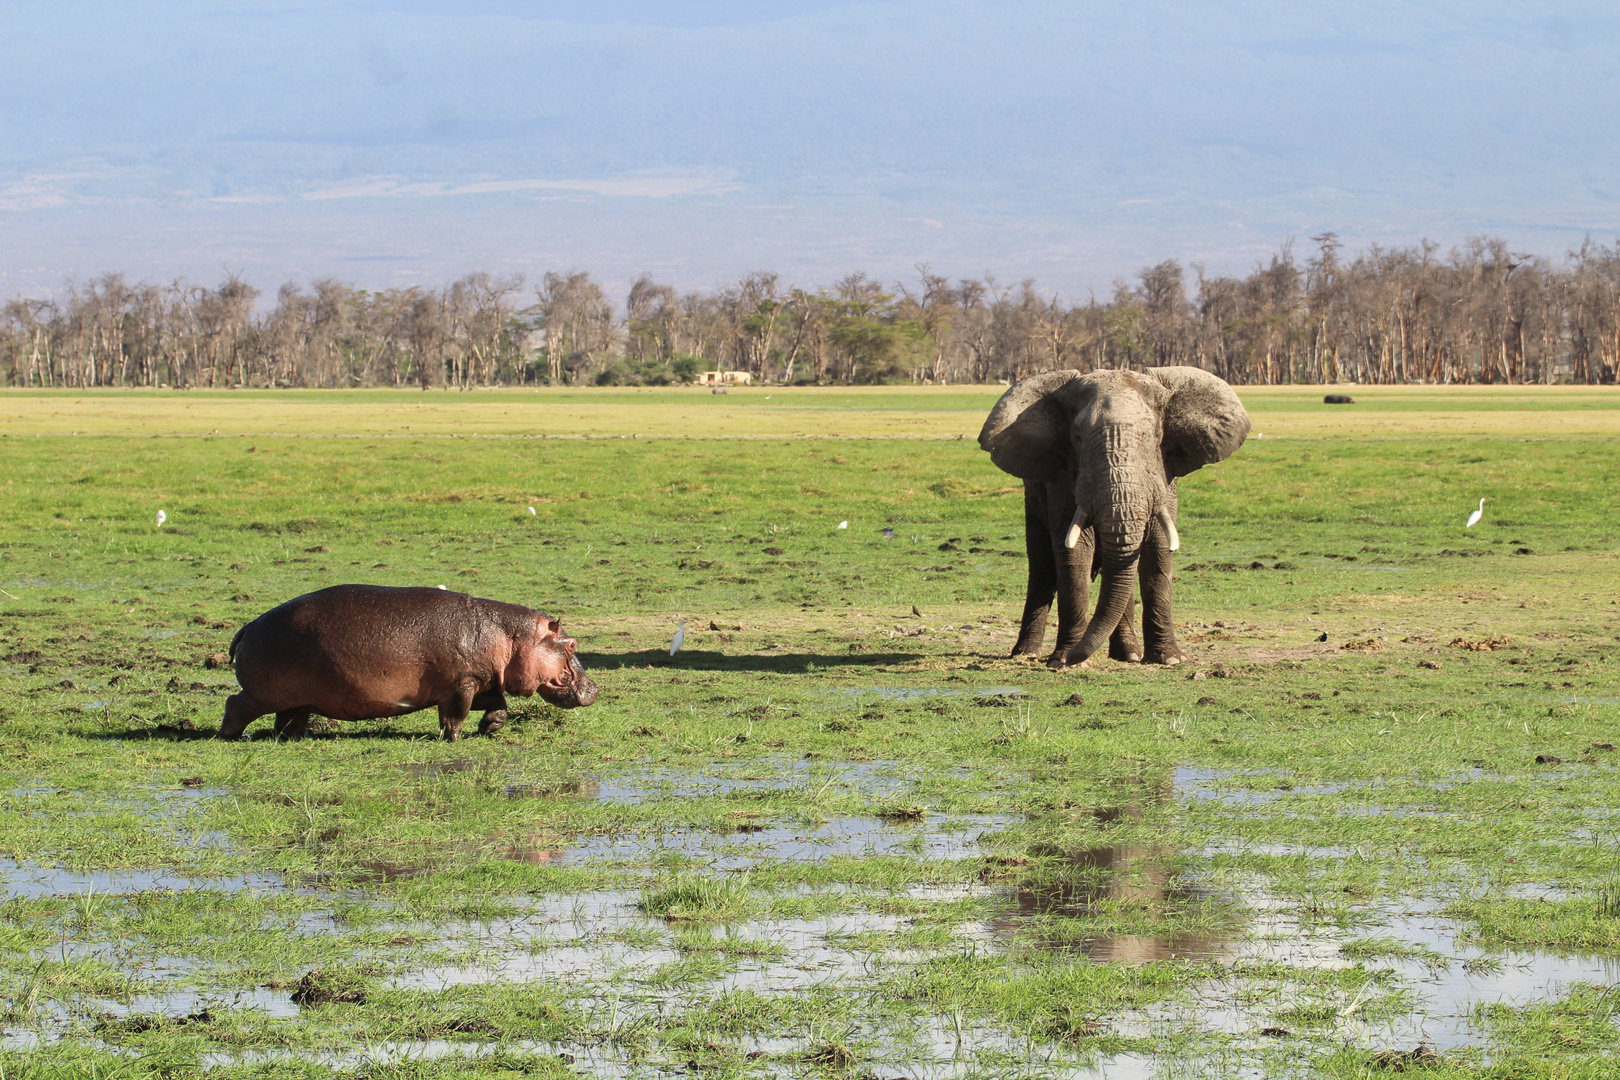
1099 455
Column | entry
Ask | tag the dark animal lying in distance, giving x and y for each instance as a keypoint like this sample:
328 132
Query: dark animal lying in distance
1338 399
359 652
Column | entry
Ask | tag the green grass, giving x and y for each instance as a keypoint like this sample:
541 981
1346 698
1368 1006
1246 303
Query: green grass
766 845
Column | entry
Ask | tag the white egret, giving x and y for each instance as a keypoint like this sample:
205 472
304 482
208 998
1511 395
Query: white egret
442 587
843 524
531 512
680 638
161 518
1473 519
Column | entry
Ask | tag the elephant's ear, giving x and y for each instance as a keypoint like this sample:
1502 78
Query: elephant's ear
1027 433
1203 421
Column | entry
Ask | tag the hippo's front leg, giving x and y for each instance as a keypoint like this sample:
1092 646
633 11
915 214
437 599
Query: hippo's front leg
240 711
493 702
292 725
453 710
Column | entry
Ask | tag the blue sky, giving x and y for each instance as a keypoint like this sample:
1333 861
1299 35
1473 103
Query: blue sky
393 142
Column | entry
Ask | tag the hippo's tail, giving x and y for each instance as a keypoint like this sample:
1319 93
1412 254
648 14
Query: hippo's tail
235 640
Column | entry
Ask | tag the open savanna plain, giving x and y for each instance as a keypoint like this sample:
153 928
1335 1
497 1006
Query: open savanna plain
1370 827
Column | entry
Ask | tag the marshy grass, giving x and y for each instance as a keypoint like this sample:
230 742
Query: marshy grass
694 898
1139 838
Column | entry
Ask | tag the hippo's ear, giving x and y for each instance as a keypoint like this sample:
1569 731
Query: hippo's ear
552 628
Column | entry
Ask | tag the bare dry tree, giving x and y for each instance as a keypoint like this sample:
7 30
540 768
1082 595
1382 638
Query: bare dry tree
1481 312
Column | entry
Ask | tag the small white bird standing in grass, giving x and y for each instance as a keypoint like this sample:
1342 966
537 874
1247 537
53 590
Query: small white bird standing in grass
843 524
680 636
532 513
1473 519
161 518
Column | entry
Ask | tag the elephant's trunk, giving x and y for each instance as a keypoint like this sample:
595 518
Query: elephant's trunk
1113 600
1121 524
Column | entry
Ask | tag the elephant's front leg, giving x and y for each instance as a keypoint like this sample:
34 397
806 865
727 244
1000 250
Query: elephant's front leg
1073 589
1043 580
1158 622
1123 644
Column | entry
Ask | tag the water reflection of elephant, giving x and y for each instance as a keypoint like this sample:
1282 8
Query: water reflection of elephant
1091 880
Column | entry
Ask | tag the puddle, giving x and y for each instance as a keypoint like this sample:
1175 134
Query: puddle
945 837
603 941
582 788
1089 882
1449 983
390 1053
276 1004
876 779
31 880
745 845
1195 783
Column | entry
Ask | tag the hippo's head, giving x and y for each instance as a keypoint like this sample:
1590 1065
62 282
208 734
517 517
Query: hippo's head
545 664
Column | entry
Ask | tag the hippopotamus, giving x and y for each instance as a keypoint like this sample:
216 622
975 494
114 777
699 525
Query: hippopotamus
359 652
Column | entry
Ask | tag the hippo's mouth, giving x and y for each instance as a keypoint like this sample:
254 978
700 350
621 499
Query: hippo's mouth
580 692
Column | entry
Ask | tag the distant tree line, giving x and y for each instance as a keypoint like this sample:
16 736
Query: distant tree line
1479 314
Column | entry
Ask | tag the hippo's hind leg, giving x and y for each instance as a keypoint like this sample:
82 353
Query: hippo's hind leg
292 724
494 706
240 711
454 709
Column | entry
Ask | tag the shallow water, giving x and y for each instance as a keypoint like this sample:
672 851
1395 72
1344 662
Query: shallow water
935 838
877 779
32 880
617 961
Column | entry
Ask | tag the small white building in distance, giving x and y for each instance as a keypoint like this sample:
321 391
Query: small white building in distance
724 378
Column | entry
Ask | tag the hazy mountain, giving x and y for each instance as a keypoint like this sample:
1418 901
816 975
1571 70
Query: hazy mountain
387 141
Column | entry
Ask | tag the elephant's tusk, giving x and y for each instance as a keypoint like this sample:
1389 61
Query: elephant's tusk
1075 526
1169 524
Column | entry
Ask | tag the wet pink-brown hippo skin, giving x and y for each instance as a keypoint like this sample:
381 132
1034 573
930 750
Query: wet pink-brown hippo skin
359 652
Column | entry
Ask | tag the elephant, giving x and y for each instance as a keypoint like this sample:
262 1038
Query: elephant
1099 455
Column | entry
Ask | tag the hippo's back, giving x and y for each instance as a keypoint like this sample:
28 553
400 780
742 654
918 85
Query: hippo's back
353 643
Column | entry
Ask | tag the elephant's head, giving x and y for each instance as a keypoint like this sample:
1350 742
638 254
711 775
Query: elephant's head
1125 437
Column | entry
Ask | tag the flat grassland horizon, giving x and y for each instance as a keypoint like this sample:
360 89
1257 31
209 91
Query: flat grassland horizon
764 411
